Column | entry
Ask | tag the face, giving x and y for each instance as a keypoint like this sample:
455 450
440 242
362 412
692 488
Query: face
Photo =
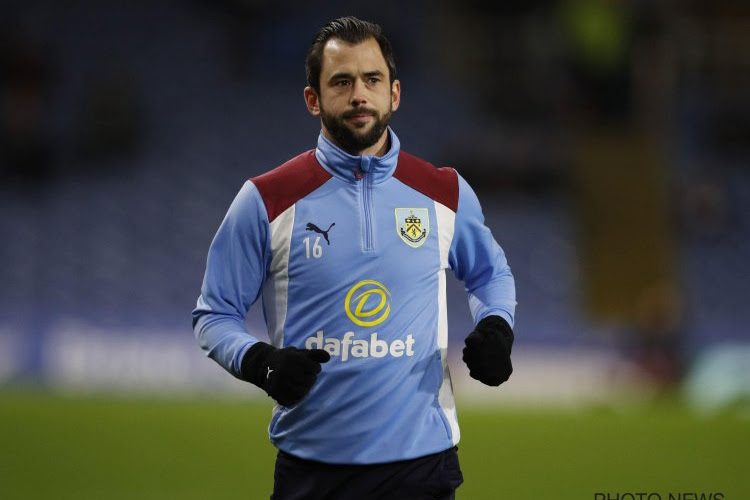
356 97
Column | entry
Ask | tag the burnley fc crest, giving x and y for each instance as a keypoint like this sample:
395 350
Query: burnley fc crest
413 225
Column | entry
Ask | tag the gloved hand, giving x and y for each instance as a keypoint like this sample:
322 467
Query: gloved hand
285 374
487 351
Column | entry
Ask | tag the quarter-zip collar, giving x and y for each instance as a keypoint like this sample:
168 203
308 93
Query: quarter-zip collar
354 168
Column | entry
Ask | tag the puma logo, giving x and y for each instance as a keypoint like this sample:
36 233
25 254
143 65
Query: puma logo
313 227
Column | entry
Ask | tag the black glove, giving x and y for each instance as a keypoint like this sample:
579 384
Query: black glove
487 351
285 374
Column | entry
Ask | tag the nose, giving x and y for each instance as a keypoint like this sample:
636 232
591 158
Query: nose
358 96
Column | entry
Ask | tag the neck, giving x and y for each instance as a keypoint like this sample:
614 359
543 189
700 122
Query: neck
378 149
350 167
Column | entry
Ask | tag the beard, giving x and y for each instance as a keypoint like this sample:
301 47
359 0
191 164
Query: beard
355 139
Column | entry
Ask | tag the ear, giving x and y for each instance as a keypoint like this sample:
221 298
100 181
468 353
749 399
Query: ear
312 101
395 95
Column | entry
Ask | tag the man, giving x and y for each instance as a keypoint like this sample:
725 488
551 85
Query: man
348 246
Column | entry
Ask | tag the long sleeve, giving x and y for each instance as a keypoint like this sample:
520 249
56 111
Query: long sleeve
478 261
235 270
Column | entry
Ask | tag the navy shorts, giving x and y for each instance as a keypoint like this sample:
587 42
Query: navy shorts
433 477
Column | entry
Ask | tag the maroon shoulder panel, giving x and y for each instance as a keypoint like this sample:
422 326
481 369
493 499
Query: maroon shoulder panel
285 185
439 184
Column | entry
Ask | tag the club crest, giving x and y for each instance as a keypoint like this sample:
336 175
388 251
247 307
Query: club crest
413 225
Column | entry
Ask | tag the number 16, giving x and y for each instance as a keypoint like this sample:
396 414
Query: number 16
317 250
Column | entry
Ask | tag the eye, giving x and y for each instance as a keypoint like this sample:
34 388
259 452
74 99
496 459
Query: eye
341 83
374 79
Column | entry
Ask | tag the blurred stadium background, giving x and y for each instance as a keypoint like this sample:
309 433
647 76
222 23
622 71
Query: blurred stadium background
609 142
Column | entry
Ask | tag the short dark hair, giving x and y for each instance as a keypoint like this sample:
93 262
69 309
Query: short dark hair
351 30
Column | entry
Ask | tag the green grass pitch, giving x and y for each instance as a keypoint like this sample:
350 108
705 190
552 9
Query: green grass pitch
57 447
